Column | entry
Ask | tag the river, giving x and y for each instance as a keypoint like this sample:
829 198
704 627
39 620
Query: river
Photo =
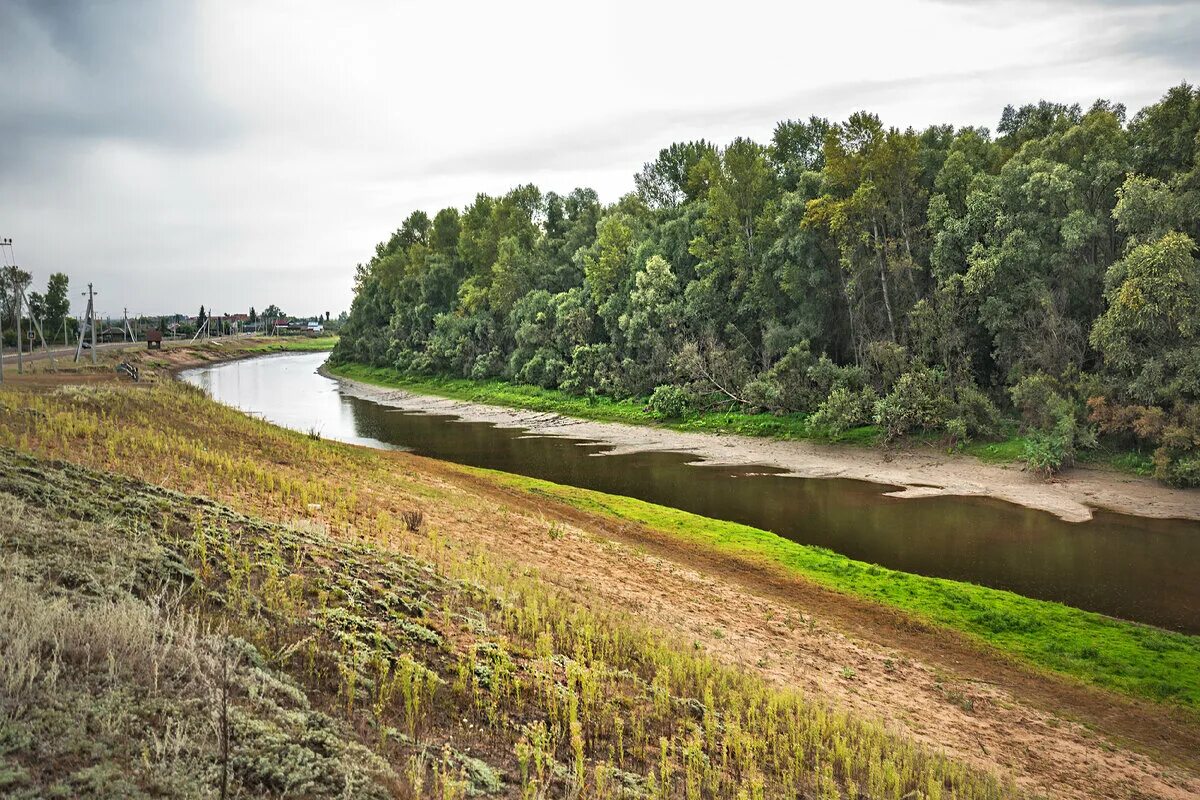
1136 568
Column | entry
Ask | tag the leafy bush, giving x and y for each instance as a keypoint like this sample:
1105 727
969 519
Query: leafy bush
977 413
669 402
1055 432
764 392
487 365
957 431
886 362
827 376
1182 472
1038 399
543 369
591 368
917 402
1175 435
1045 453
844 409
793 385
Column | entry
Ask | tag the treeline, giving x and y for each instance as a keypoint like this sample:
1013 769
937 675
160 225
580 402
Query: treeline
922 281
51 309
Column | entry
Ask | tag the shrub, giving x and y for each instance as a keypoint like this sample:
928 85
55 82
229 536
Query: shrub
827 376
791 385
1045 453
543 369
1176 463
1175 435
844 409
1038 399
1055 432
957 431
669 402
764 392
591 369
413 519
916 402
487 365
977 413
886 362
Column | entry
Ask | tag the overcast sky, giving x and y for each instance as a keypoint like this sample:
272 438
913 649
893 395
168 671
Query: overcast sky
238 154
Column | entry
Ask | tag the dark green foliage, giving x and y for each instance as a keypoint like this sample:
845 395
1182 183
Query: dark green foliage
845 409
917 402
938 267
669 402
1054 430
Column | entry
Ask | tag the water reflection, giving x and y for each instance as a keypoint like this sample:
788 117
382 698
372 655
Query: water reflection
1142 569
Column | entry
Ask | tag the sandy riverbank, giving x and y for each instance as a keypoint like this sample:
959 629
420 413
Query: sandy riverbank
919 472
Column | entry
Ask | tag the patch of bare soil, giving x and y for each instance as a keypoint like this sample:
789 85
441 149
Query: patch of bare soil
1056 737
917 472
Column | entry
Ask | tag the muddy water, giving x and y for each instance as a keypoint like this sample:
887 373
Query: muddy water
1131 567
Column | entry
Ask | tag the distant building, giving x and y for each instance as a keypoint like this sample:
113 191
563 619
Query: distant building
111 334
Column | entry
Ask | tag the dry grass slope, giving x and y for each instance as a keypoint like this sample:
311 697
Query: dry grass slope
160 644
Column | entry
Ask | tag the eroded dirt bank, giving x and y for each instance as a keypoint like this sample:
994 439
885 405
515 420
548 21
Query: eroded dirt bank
916 472
1056 737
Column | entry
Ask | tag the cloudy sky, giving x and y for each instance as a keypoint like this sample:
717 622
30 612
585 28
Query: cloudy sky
238 154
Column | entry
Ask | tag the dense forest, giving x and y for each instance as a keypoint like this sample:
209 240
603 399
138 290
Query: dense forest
934 281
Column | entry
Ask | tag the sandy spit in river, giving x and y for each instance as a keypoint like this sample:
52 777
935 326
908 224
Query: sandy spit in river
919 472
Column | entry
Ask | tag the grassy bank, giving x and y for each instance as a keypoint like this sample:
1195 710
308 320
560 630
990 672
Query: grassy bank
598 407
296 344
317 624
1135 659
1006 449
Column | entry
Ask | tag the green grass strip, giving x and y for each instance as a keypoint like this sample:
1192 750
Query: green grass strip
291 344
1127 657
598 407
633 412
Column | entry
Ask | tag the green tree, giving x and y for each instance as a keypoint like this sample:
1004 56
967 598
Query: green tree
651 323
668 180
1150 333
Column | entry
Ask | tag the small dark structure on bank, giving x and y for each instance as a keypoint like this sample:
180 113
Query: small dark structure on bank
154 339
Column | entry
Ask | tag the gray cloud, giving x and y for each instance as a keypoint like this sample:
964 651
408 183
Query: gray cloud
1046 4
1172 38
629 140
87 72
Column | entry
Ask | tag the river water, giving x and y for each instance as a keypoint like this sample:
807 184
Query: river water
1135 568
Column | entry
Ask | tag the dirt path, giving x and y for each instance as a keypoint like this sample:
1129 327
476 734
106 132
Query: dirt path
1057 738
917 473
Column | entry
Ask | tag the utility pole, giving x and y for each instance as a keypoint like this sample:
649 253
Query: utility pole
201 327
20 347
6 242
89 322
18 290
37 326
129 330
